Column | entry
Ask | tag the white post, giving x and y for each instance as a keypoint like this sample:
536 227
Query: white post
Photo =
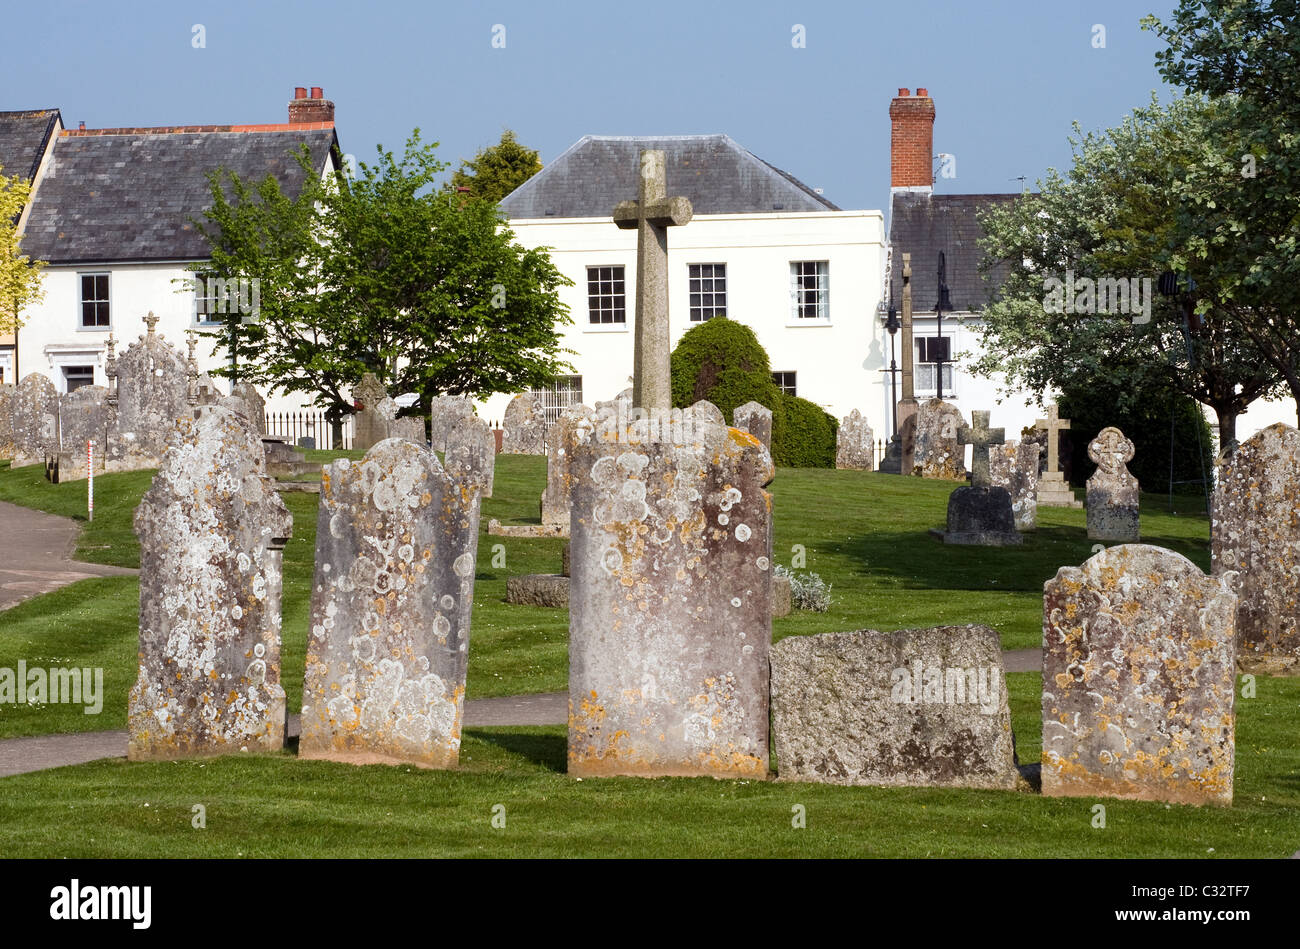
90 479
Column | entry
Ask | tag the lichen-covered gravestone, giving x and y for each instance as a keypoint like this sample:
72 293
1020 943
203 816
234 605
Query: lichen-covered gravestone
1255 532
916 707
211 530
83 416
35 420
411 428
1138 678
445 413
1112 503
940 440
525 426
150 390
1014 466
573 421
472 452
669 609
755 418
6 420
369 427
396 547
254 404
855 443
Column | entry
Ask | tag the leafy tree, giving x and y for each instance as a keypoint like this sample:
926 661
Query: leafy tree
497 170
1115 214
20 276
1240 202
386 274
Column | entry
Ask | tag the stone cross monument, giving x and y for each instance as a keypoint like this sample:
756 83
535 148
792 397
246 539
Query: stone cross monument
980 438
652 214
1052 489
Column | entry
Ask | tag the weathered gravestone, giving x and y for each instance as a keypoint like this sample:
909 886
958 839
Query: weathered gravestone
396 548
525 426
940 437
445 413
151 387
1053 489
1255 533
1138 678
855 443
471 452
254 403
411 428
83 416
1014 466
916 707
35 420
669 609
211 530
755 418
980 513
1112 491
369 426
6 420
574 421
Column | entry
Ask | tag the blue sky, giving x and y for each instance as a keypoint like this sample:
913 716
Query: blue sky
1008 76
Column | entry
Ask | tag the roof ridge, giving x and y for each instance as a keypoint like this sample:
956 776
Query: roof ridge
197 129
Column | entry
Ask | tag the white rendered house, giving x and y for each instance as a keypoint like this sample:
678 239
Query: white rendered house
111 214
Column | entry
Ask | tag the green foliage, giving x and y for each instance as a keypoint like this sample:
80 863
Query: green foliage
1117 214
20 276
722 361
384 274
1146 422
497 170
807 435
1239 199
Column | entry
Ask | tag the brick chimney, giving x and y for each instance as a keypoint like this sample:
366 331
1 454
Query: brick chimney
313 108
911 141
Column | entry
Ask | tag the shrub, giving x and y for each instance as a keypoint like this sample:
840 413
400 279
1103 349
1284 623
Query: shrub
805 437
807 591
722 361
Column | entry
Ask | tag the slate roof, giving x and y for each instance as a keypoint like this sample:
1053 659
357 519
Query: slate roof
130 196
718 175
925 224
23 137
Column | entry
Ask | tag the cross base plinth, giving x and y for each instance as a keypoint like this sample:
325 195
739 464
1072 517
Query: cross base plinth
1054 491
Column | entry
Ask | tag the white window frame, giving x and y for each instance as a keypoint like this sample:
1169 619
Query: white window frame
82 301
949 365
693 309
789 372
822 289
613 326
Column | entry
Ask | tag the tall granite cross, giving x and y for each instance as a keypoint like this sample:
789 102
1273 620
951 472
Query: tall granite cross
652 214
1053 425
981 437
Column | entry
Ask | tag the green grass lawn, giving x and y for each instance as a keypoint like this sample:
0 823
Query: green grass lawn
864 533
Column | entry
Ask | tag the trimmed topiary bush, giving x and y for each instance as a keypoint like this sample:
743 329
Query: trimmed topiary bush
722 361
807 435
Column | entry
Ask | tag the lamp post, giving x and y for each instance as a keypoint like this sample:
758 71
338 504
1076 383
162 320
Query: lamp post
892 324
944 303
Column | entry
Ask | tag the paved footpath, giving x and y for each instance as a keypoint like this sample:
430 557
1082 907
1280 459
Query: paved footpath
36 555
23 755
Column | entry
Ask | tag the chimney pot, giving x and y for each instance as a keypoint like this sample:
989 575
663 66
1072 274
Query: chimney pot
904 92
316 108
317 92
300 92
922 91
81 126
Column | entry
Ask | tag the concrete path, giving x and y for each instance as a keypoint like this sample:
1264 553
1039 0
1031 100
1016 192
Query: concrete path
23 755
36 556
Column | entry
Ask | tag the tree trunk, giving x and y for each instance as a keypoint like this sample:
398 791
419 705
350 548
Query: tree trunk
1227 415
